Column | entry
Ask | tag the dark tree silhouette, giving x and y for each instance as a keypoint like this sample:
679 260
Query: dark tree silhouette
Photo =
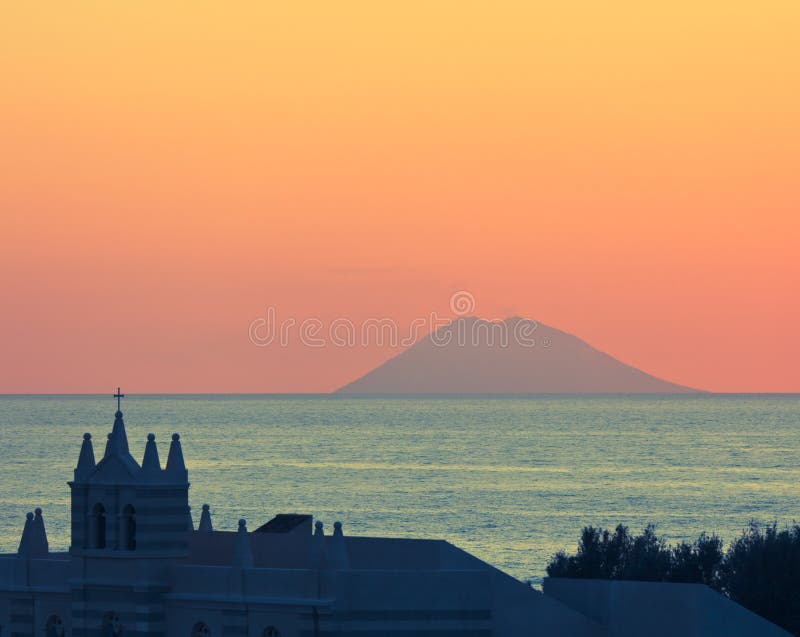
759 570
697 562
600 555
620 555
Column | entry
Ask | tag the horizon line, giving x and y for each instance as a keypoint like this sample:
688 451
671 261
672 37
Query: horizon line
335 393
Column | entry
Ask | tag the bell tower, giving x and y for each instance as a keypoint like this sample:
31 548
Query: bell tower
130 522
120 507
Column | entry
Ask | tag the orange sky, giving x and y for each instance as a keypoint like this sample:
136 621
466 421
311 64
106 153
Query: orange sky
625 172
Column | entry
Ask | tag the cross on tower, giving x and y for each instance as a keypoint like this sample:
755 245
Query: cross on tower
118 396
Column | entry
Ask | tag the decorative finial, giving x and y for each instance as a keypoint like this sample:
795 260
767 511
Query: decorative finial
319 550
33 542
38 510
119 440
119 396
242 551
150 463
205 520
176 468
86 461
338 557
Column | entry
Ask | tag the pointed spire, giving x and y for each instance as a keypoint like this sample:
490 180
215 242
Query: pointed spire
242 551
119 439
33 542
339 559
176 469
40 547
319 552
117 444
86 458
26 540
150 463
108 446
205 520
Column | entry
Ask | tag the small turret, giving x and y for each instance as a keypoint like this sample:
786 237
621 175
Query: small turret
242 551
176 469
119 439
33 542
117 445
25 541
205 520
339 558
319 552
40 544
86 461
150 463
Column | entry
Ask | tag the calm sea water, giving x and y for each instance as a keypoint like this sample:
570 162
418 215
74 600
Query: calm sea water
510 479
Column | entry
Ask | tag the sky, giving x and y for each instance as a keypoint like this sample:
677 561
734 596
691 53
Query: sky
624 171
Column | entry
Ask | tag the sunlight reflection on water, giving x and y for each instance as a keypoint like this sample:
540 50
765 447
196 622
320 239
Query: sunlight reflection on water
511 479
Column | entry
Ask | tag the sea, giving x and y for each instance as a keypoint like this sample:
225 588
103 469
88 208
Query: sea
511 479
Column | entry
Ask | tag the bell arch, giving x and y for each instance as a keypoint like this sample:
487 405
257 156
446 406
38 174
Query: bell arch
98 530
128 528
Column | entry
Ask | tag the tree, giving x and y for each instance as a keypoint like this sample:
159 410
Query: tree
760 572
645 557
648 558
697 562
601 555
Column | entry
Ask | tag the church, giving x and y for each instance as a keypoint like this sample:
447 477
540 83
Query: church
137 566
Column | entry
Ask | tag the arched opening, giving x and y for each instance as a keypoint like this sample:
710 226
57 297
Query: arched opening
201 629
271 631
54 627
111 625
128 528
99 526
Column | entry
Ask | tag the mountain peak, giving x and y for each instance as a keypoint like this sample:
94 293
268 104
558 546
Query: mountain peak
515 355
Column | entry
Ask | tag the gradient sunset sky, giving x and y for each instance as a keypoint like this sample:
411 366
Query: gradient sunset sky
625 171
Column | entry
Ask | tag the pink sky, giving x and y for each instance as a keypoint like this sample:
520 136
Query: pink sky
629 175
